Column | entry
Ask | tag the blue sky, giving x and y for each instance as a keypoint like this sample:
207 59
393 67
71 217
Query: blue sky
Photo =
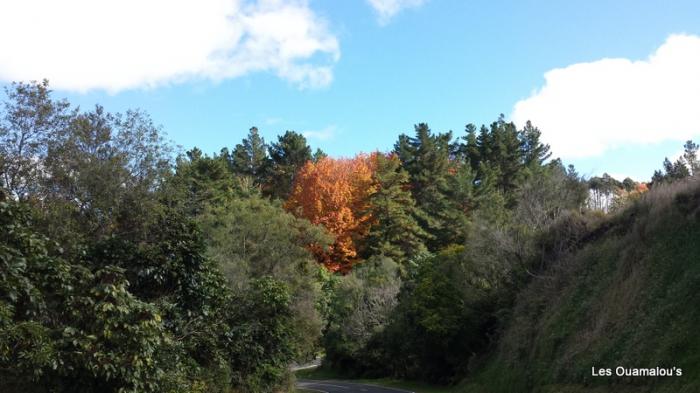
444 62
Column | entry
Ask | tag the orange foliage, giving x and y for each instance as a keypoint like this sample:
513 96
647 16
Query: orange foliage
642 188
334 193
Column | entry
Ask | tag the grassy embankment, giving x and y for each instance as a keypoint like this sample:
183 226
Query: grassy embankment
629 296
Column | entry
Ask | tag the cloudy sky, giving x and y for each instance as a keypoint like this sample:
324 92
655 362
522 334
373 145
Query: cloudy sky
614 85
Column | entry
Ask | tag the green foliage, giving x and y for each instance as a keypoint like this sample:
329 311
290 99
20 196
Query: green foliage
495 195
319 155
615 292
249 158
395 232
501 155
80 326
199 181
444 316
426 158
480 174
261 342
549 192
360 308
66 327
28 121
193 278
690 156
683 167
287 156
97 171
131 302
253 238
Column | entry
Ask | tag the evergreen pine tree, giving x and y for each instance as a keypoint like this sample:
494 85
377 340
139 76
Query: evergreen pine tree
426 158
318 155
249 158
395 232
690 155
534 151
470 149
287 156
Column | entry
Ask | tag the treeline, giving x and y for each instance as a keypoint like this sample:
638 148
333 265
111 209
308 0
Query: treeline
127 267
124 270
457 229
428 242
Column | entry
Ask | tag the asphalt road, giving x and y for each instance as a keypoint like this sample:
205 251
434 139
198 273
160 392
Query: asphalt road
332 386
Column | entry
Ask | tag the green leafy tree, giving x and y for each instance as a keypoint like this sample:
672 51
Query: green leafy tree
672 171
252 238
444 311
261 341
102 171
469 151
361 306
503 156
66 326
29 120
92 172
548 194
628 184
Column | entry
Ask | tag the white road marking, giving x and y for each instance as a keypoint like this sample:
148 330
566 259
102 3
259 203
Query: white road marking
321 383
328 384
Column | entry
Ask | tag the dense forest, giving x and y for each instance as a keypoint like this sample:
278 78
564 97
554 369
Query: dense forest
127 265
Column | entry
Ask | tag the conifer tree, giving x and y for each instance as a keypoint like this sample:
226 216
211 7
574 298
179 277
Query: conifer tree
395 232
287 156
534 151
199 181
426 158
249 158
469 149
690 155
501 147
504 154
318 155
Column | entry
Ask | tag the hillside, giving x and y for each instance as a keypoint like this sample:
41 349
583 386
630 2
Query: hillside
626 294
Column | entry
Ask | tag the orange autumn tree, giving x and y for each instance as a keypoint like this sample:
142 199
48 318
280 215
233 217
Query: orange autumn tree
334 193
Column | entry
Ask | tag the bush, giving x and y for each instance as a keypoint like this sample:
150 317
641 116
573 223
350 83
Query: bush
359 311
444 317
65 327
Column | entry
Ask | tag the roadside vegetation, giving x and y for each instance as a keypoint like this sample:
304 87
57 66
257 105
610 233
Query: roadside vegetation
469 262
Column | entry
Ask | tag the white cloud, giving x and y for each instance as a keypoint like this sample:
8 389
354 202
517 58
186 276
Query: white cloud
587 108
122 44
386 9
322 134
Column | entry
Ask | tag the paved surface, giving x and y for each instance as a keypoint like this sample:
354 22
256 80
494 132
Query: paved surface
332 386
312 364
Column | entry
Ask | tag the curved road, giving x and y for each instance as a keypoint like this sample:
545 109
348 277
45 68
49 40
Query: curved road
332 386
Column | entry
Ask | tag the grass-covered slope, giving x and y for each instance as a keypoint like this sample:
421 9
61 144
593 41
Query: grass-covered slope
627 295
